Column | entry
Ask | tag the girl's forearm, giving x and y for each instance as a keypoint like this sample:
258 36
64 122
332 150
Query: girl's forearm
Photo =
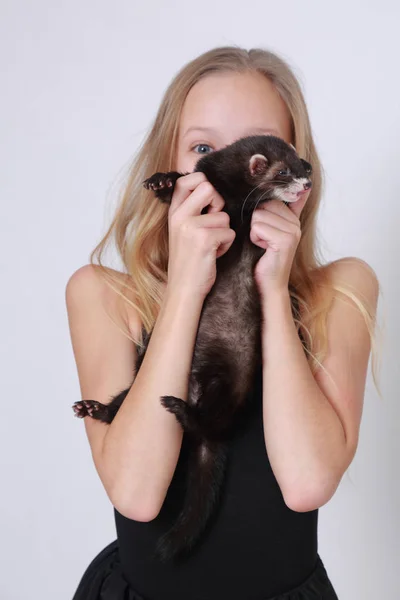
304 437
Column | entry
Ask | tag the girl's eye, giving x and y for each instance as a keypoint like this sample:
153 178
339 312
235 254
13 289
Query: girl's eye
202 146
284 172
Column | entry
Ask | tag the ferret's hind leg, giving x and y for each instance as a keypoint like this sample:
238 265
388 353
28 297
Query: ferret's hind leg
186 415
94 409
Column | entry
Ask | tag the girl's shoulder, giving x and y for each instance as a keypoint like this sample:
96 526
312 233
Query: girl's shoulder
353 271
90 280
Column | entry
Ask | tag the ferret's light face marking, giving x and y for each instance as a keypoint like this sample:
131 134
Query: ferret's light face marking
292 192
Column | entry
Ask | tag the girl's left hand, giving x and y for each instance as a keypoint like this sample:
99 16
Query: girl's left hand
276 227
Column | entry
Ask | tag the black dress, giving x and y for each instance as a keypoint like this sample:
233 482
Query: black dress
254 548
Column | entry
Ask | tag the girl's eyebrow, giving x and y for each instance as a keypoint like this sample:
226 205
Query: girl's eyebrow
253 130
206 129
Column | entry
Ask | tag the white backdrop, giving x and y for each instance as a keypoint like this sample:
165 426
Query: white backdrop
81 82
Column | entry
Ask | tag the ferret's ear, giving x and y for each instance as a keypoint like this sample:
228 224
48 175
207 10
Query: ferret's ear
258 164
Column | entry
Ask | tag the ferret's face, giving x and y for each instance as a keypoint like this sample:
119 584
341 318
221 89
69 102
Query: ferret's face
284 176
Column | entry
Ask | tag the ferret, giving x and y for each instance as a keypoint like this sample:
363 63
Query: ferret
227 351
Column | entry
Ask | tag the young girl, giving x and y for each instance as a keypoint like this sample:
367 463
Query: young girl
288 457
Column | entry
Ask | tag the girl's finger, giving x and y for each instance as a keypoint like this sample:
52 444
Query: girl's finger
297 207
275 219
279 208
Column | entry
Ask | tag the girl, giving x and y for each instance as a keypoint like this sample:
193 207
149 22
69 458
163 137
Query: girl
290 453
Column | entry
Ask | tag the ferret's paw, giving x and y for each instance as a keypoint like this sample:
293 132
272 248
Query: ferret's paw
84 408
163 185
185 414
174 405
158 181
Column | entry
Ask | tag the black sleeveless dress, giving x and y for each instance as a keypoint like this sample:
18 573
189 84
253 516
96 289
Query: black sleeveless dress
254 547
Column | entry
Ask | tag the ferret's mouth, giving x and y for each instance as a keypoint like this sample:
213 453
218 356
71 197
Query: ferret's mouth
294 196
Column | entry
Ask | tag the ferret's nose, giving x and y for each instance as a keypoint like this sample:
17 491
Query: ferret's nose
307 185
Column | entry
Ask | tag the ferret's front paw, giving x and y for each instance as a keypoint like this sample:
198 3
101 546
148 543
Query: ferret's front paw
84 408
158 181
163 185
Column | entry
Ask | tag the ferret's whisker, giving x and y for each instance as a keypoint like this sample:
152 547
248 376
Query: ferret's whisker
260 199
245 200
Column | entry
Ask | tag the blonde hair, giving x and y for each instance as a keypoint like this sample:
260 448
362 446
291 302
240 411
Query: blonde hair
140 223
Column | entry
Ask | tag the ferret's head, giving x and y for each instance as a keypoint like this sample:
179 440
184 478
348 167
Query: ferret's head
257 169
279 173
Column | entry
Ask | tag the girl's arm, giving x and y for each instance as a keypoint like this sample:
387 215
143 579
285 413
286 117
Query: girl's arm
311 423
136 455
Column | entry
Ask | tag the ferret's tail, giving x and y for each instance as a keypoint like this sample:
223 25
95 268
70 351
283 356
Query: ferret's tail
205 474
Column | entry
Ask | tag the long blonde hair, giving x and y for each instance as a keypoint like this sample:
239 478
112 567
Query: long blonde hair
140 223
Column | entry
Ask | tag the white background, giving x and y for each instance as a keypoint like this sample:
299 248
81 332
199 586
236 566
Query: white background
80 84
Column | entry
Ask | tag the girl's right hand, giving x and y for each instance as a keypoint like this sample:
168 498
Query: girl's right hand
196 240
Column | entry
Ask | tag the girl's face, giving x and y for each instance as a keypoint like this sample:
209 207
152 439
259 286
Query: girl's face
224 107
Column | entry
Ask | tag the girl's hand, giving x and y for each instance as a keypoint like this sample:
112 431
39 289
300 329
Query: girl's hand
196 240
276 227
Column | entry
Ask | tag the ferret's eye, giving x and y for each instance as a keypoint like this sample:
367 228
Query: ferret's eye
201 146
284 172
